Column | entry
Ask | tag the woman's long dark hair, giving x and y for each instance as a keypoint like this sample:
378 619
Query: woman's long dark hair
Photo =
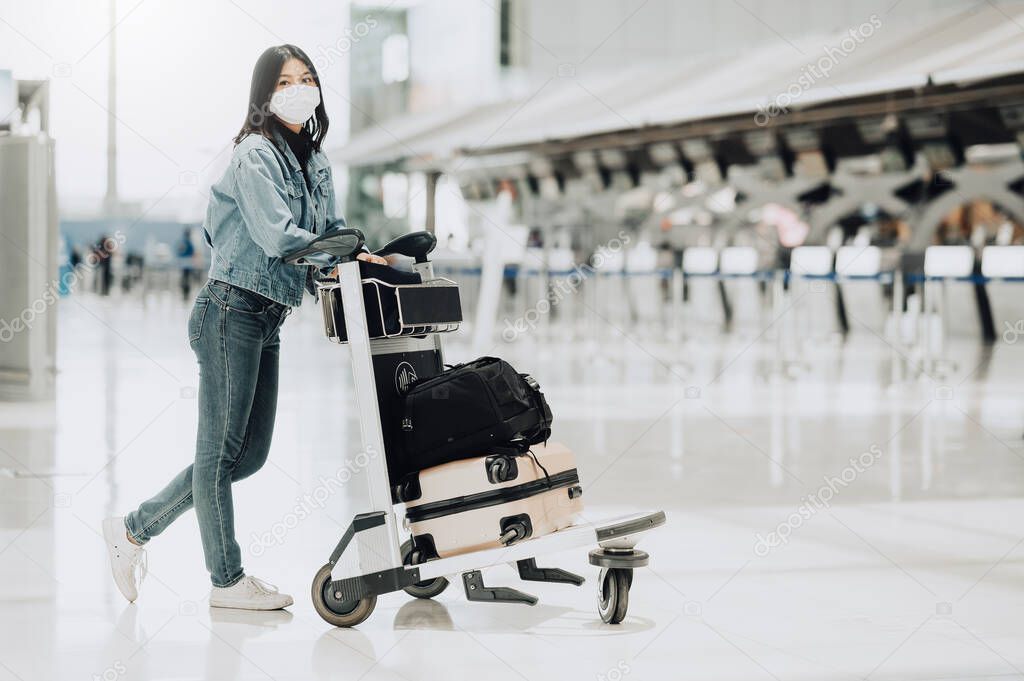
259 119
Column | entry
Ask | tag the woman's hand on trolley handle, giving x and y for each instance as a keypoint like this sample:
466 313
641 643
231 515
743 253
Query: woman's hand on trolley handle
370 257
365 257
335 273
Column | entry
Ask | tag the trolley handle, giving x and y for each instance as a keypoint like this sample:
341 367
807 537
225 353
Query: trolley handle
414 245
342 243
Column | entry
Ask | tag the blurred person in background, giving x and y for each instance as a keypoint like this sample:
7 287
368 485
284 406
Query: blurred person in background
134 265
104 273
186 252
65 265
275 196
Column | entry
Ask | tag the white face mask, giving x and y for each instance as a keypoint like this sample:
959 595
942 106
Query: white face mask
295 104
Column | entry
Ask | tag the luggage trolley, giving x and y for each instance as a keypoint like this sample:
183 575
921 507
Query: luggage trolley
393 333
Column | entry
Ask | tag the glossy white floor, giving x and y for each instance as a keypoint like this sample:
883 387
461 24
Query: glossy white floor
906 563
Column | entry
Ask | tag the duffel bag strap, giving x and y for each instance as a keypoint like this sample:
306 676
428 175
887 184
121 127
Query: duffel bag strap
521 448
512 448
543 431
547 477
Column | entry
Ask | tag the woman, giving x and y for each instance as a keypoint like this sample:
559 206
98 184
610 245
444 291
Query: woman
275 195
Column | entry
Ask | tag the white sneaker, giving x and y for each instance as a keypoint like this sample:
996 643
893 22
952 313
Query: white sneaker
249 593
127 560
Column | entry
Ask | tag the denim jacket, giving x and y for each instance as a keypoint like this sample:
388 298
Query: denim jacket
262 209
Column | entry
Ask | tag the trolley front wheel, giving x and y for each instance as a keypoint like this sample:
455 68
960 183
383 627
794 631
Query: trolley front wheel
332 609
613 594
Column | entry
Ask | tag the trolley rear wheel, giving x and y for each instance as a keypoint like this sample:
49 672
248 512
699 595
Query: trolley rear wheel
332 609
428 588
613 594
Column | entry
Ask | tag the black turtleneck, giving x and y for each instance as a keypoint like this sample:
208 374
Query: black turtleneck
301 144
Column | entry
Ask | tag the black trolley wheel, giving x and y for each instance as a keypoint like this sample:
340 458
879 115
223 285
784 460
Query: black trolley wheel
333 610
428 588
613 594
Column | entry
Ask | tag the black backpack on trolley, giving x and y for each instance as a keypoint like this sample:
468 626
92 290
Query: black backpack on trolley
472 409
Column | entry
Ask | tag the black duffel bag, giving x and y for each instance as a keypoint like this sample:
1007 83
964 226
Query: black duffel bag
470 409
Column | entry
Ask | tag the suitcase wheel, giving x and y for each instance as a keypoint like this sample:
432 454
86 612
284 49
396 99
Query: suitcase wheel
613 594
332 609
427 588
501 469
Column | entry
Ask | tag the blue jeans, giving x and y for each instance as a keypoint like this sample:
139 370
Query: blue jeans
235 335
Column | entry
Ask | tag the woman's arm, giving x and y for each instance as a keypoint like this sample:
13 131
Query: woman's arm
263 203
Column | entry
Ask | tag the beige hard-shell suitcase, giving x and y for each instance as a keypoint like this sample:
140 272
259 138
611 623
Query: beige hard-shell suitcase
491 501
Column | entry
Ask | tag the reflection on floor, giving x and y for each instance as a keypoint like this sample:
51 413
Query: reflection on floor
825 520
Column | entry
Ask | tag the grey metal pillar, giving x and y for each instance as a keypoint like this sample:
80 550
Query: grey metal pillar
28 268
